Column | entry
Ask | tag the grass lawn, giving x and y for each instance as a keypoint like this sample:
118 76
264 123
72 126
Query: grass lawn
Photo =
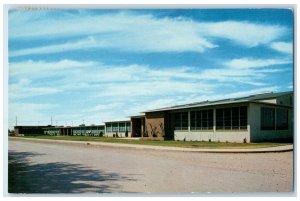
186 144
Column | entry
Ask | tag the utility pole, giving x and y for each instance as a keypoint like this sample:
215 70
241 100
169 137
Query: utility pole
51 120
16 120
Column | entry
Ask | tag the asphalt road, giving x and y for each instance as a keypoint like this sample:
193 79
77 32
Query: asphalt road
36 167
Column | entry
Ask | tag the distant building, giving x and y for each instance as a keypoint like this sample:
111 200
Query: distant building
82 130
120 128
30 130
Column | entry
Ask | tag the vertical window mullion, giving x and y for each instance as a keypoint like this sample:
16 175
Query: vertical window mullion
239 118
231 119
201 121
223 119
180 120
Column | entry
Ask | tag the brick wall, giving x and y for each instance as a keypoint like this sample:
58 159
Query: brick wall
153 122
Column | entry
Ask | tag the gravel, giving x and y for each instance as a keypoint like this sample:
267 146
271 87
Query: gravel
67 168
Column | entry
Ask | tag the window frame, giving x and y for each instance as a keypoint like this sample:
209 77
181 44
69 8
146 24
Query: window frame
203 120
225 119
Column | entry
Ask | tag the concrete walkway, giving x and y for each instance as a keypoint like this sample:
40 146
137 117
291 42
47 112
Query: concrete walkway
163 148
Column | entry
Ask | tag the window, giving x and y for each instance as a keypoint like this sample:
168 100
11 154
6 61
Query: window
115 127
220 119
122 127
227 118
234 118
272 119
181 121
128 127
185 121
281 119
194 120
202 120
267 118
178 121
108 128
243 117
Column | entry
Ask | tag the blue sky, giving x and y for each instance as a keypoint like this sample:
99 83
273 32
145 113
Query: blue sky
99 65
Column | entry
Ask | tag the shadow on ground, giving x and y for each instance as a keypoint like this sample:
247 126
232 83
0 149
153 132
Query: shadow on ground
24 177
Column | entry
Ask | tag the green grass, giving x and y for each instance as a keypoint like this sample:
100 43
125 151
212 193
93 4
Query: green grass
186 144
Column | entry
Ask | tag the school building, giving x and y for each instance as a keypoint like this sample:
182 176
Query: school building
255 118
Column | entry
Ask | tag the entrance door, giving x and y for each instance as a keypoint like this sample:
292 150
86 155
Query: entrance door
138 130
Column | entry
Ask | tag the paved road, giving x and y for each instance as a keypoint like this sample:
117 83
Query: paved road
60 168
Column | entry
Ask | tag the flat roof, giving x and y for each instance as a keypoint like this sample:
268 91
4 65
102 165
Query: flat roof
85 126
34 126
116 121
252 98
138 116
74 126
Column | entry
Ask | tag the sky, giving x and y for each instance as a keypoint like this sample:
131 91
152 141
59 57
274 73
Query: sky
91 66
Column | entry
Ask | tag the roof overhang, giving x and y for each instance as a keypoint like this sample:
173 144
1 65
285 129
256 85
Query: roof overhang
197 106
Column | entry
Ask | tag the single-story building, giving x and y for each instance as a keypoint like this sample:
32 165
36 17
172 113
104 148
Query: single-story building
92 130
82 130
30 130
137 125
255 118
118 128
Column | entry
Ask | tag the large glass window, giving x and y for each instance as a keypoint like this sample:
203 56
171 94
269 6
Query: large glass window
128 126
220 119
281 119
267 118
181 121
272 119
185 120
122 127
177 121
115 127
234 118
243 117
201 120
227 118
108 128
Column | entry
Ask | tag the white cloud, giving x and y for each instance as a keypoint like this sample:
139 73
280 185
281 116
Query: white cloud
133 80
245 33
89 42
243 93
127 89
23 89
283 47
42 69
143 33
253 63
103 107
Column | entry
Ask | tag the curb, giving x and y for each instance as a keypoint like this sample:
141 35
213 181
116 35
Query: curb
285 148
